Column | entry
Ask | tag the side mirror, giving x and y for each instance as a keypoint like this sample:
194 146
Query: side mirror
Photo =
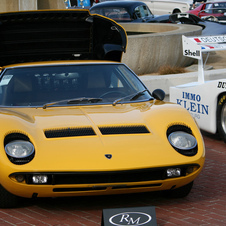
158 94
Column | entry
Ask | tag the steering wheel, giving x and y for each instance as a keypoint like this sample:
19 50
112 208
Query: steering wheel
112 92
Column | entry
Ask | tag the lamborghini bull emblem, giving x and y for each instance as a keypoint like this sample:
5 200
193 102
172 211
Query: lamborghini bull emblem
108 156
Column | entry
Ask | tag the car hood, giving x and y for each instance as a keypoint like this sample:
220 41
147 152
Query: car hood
83 137
30 36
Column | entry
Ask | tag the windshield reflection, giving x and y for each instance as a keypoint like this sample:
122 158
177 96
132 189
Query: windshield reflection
79 84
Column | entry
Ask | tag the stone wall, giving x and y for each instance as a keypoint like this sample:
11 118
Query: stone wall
21 5
158 44
51 4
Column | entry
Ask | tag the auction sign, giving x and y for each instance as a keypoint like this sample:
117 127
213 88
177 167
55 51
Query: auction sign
135 216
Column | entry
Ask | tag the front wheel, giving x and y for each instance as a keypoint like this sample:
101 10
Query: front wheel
179 192
221 117
8 200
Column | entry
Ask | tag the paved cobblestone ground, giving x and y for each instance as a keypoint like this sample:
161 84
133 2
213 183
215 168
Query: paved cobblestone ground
205 205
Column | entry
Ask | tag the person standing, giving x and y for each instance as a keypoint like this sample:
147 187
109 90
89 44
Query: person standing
195 1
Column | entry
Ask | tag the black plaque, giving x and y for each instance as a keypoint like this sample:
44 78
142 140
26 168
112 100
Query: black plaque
135 216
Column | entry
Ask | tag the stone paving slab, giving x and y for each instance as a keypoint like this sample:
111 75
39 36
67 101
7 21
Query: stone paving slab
205 205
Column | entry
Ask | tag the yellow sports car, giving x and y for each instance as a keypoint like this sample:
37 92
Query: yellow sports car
75 121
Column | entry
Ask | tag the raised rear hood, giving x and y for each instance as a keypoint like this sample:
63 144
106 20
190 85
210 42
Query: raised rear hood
31 36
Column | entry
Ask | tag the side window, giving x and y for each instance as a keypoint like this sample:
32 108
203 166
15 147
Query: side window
208 8
138 12
216 5
146 11
142 11
219 7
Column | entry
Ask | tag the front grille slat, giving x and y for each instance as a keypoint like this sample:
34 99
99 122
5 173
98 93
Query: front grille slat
69 132
111 177
95 177
130 129
89 131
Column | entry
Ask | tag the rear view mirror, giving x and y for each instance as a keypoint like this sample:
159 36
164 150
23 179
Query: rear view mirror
158 94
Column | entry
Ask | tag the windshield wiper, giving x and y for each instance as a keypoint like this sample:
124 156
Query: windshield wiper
73 101
133 96
84 100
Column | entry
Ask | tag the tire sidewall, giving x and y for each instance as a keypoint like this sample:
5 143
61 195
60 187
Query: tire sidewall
221 103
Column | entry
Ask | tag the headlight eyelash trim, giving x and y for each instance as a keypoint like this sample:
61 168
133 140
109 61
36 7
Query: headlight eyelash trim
20 138
187 144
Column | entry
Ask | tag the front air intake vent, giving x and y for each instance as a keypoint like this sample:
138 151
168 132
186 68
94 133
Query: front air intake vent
69 132
123 129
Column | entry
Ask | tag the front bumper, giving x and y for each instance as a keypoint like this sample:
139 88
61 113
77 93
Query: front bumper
59 184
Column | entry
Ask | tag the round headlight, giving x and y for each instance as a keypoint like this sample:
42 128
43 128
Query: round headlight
19 149
182 140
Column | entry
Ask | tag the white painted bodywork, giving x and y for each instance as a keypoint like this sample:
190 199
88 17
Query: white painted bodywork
200 98
161 7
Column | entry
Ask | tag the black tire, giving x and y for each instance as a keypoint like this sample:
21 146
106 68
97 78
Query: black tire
221 117
179 192
8 200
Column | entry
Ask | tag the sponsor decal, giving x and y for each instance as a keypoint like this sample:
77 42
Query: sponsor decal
221 85
192 102
211 39
188 52
211 47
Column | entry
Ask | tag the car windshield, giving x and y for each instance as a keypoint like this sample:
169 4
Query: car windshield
70 85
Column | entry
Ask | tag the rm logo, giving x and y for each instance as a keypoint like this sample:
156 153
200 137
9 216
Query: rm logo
130 216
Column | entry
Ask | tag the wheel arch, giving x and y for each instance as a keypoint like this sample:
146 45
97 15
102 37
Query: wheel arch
176 10
220 99
220 95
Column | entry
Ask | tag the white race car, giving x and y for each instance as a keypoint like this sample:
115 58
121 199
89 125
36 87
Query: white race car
205 100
